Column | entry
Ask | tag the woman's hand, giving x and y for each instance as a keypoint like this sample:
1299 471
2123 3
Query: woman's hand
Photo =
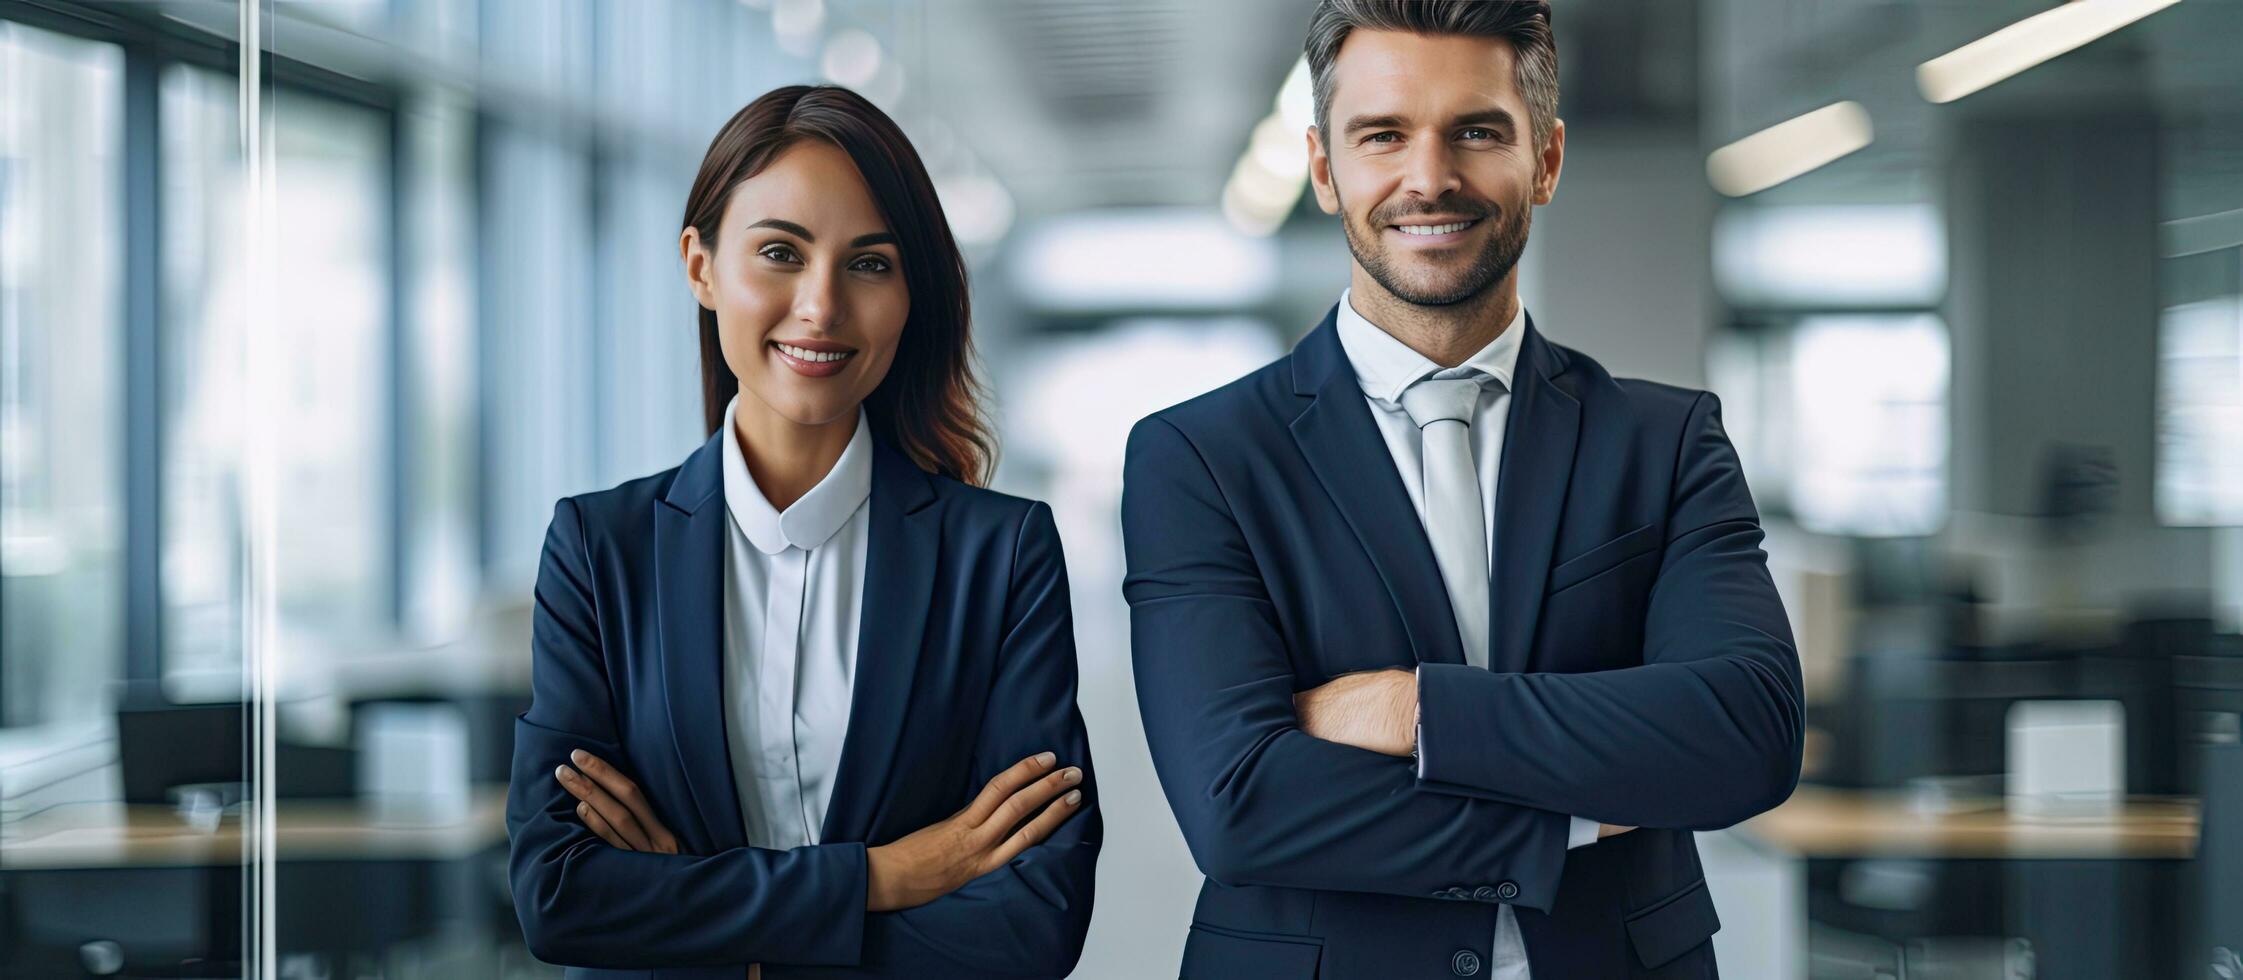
981 838
612 806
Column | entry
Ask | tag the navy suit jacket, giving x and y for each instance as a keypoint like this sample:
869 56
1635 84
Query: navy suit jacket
1641 673
965 665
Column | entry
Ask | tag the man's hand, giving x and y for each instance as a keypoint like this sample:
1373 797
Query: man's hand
1374 709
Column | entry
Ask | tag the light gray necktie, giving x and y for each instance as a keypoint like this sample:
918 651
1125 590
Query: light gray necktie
1442 406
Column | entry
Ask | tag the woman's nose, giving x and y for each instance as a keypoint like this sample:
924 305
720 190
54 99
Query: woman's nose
818 300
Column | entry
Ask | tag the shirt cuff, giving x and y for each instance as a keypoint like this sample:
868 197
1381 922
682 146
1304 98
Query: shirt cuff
1417 737
1583 832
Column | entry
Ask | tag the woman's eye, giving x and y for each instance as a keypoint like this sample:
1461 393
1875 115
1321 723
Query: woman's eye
870 263
778 253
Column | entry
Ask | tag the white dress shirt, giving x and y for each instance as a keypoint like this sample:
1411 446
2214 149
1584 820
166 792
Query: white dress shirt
1385 367
793 593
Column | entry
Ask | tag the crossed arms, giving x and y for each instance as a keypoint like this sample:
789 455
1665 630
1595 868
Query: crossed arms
584 902
1704 734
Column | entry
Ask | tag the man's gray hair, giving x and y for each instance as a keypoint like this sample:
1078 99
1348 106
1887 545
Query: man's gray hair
1524 23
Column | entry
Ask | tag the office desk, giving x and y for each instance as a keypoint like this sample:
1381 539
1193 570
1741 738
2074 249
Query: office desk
1821 822
2094 898
108 834
349 884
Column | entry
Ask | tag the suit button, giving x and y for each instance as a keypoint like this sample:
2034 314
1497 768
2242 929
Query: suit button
1507 890
1459 894
1483 893
1465 963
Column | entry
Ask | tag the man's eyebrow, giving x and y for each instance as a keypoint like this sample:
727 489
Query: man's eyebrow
1359 123
1489 117
1481 117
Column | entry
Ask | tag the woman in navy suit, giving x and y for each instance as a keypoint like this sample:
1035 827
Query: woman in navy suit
807 700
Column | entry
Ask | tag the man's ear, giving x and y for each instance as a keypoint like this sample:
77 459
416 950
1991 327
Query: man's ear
697 266
1552 161
1320 172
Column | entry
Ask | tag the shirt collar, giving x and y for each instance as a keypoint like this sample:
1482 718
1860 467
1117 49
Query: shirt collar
1385 366
810 521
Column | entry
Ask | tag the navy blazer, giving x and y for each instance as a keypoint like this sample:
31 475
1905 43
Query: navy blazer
1641 673
965 666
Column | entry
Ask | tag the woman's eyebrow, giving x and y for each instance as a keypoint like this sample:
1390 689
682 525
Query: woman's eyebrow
786 226
875 238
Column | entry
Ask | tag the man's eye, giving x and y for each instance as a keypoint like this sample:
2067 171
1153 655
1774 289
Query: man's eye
1477 133
1382 138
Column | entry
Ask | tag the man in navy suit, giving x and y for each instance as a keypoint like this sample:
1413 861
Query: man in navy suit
1446 639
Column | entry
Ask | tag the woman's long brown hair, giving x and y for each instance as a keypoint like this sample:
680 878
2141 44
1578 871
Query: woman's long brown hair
929 405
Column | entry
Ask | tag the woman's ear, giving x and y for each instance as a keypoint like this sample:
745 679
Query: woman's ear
698 263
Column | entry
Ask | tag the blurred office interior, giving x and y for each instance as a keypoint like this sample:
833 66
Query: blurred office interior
1975 313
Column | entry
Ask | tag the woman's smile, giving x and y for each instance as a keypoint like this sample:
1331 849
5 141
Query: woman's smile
813 358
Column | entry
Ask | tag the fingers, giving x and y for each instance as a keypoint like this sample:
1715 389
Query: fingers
1023 804
599 825
616 814
1036 831
1005 784
627 793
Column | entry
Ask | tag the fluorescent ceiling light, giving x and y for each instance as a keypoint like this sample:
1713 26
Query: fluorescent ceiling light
2026 43
1143 259
1788 149
1828 256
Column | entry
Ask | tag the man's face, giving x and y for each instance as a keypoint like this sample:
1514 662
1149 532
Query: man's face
1430 162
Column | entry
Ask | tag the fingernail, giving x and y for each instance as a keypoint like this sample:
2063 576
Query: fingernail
1072 775
576 756
1045 758
580 808
1074 797
565 772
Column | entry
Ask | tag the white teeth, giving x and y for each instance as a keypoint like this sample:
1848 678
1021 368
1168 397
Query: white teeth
806 354
1433 229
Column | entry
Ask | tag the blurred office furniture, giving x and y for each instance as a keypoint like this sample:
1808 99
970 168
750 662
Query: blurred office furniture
394 838
1909 838
487 717
161 745
2207 707
1921 701
1821 822
2086 897
136 886
2217 950
2066 757
165 748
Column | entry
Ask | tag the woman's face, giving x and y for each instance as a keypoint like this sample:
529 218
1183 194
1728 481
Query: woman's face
807 285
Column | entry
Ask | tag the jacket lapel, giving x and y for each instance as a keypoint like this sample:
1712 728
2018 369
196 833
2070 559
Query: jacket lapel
689 583
1538 443
1343 446
900 558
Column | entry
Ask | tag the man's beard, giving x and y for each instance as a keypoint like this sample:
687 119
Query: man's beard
1498 254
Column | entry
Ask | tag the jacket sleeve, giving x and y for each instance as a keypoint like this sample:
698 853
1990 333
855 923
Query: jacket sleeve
1029 917
584 903
1706 733
1261 802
